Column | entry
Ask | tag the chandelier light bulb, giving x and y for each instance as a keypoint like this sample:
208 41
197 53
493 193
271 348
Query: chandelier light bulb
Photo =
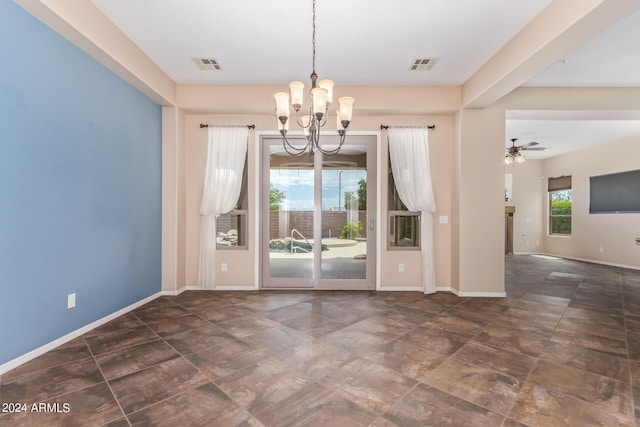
346 108
297 94
282 104
319 98
328 85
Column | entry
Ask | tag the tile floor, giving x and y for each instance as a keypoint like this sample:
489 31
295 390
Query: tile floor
562 349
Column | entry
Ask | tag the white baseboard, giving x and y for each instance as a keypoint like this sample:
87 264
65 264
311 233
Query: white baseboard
592 261
12 364
474 294
173 293
483 294
400 288
235 288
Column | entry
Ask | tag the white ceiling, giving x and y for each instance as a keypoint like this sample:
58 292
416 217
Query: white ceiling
260 42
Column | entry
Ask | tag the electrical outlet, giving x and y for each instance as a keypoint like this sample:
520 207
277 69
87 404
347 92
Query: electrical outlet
223 266
71 300
401 268
601 250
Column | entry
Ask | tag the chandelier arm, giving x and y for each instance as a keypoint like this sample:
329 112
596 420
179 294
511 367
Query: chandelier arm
294 150
334 151
300 121
324 119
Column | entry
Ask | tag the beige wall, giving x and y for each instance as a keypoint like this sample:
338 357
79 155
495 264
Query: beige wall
242 264
173 200
590 232
528 193
615 233
480 144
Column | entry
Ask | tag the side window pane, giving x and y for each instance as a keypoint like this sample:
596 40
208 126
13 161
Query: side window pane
404 225
404 230
232 227
560 205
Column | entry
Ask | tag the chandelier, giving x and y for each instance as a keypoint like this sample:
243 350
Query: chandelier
321 99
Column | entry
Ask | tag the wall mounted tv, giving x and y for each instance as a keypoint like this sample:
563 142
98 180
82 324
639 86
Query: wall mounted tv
615 193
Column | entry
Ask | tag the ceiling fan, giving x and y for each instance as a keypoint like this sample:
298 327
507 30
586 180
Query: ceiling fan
513 154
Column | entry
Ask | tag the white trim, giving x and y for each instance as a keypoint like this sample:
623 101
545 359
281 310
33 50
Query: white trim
474 294
483 294
235 288
257 208
528 253
400 288
592 261
12 364
173 293
379 218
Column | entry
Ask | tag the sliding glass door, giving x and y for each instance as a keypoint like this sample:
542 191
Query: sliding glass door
318 216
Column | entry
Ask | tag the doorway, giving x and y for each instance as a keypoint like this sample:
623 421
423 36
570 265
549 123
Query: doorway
318 215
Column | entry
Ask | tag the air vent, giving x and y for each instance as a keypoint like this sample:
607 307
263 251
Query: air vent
207 64
423 64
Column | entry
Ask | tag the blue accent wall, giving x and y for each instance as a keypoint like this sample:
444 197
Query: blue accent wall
80 187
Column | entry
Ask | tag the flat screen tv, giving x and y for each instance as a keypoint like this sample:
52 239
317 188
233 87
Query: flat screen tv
615 193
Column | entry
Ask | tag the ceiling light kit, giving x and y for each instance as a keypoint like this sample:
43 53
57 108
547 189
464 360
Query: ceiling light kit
321 99
514 155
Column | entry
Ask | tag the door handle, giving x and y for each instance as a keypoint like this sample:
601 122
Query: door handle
372 224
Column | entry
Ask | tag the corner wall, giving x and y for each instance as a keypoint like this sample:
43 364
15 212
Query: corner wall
614 233
529 196
80 184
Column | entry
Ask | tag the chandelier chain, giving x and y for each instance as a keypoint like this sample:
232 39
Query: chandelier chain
313 42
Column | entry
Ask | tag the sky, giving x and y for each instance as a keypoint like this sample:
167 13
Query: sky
298 186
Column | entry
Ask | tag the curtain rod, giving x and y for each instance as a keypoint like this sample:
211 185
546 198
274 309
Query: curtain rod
206 126
430 127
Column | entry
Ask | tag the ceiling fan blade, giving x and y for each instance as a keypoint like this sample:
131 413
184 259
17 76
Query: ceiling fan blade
528 144
534 148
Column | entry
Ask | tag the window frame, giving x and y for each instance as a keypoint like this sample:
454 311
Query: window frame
391 215
241 211
557 185
400 210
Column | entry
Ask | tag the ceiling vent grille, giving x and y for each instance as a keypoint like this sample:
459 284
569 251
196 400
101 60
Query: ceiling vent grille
423 64
207 64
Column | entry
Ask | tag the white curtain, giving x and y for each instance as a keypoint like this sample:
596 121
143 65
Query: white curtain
222 183
409 151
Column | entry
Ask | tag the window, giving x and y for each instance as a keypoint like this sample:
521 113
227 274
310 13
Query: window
232 226
560 206
404 225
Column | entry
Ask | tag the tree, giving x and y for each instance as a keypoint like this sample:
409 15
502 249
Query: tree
349 197
361 196
276 197
561 212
